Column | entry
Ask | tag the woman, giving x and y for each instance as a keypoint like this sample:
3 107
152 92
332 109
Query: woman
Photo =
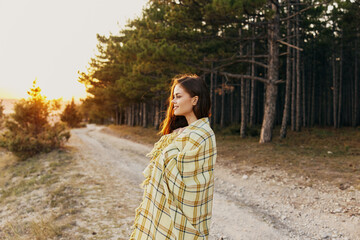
179 184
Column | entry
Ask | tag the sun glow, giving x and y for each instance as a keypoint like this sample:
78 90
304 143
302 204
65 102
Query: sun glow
52 40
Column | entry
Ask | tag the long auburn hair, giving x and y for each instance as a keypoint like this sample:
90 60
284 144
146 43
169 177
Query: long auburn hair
195 86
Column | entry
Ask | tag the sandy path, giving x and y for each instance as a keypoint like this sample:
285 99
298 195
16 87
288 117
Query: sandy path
260 206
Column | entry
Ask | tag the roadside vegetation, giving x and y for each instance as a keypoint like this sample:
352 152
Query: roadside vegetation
39 200
29 131
71 115
39 194
2 116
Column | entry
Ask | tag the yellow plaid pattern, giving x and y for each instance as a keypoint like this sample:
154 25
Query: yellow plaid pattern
179 186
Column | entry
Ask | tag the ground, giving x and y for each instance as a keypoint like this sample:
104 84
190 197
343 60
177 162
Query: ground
94 196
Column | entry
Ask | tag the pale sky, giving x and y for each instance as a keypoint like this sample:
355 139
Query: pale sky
51 40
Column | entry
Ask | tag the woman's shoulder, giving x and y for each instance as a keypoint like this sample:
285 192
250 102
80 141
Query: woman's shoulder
164 141
195 136
167 138
200 129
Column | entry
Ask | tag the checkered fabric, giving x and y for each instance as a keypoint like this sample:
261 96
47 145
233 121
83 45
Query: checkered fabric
179 186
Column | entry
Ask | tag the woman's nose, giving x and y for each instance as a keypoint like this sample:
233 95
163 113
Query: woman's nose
173 101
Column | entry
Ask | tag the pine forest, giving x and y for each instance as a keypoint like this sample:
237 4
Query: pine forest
292 64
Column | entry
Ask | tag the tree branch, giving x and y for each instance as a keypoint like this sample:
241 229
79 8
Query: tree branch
239 61
283 54
302 10
264 80
241 76
290 45
297 13
233 58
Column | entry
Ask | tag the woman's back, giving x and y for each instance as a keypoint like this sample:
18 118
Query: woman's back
178 191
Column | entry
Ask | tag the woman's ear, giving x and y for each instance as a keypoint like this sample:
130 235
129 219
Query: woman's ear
195 100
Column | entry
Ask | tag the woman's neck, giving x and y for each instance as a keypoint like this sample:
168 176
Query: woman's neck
190 118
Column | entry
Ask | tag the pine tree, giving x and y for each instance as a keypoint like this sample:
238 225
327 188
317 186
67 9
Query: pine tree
71 115
28 130
2 108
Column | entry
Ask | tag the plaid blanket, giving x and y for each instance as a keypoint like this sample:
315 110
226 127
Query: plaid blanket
179 186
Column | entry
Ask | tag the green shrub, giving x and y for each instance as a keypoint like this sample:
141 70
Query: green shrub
25 144
2 108
71 115
28 131
234 129
2 115
253 131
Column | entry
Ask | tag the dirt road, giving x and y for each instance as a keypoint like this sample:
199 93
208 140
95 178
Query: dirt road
265 204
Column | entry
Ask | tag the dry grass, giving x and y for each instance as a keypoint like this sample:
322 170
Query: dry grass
42 229
39 200
324 154
138 134
20 177
6 159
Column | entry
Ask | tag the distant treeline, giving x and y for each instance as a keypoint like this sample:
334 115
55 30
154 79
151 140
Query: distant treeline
265 61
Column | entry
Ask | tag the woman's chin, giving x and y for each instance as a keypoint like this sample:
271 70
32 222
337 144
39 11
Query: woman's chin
177 114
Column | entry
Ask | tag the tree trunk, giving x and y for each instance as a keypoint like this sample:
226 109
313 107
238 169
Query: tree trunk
215 99
116 120
232 106
304 115
320 110
126 116
356 88
340 84
269 114
313 83
157 115
129 114
298 80
243 110
253 82
252 103
137 114
308 70
222 103
273 75
144 115
212 94
335 90
121 116
161 114
329 108
293 91
285 118
247 100
132 114
151 113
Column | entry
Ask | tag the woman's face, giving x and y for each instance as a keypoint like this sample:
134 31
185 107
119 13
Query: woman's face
183 102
